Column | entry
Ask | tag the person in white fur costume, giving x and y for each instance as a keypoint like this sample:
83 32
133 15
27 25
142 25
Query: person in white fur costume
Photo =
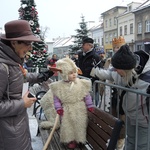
72 100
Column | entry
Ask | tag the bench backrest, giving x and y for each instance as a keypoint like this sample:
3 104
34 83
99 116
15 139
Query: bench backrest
103 130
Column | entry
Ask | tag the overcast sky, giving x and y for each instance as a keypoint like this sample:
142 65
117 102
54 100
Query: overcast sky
61 16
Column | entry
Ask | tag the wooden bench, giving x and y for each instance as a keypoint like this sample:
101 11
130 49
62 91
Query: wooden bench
102 133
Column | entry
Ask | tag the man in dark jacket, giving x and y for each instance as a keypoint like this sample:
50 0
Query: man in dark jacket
88 59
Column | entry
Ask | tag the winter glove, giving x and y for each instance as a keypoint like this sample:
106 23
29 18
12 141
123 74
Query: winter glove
91 109
60 112
44 76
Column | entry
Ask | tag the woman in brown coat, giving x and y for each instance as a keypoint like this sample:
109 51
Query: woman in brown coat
14 123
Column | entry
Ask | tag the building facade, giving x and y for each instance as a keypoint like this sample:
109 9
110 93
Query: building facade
126 25
111 26
142 26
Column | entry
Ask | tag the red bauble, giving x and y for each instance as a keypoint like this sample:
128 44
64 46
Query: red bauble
44 51
33 8
34 52
37 29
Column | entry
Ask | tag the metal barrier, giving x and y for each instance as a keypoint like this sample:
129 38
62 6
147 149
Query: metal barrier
137 95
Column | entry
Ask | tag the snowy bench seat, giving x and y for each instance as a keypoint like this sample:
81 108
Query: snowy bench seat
102 132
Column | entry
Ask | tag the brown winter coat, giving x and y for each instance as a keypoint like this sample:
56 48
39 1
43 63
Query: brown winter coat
14 123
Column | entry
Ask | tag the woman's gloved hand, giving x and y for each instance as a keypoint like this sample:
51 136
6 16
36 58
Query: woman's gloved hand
44 76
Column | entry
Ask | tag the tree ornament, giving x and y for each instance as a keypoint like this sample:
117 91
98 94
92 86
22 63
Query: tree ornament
37 29
24 6
32 13
34 52
31 22
44 51
33 8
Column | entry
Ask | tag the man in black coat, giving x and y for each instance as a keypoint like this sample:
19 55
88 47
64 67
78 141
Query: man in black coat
88 59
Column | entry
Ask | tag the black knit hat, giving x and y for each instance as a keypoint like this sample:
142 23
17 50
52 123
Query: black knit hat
124 59
88 40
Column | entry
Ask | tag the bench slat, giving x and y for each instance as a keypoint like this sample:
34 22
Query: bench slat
101 125
97 141
108 118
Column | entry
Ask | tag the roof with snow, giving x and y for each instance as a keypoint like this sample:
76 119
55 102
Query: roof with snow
144 5
63 41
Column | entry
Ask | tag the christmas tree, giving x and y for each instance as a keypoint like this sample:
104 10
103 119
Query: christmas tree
81 33
28 12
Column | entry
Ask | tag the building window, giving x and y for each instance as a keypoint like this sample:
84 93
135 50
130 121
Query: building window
147 25
106 38
110 38
102 41
130 8
115 21
131 28
110 22
139 47
115 34
120 31
125 30
106 23
139 28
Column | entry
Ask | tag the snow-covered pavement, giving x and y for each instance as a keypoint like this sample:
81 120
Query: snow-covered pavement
36 140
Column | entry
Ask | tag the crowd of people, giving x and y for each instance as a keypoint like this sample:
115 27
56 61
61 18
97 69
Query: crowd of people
72 98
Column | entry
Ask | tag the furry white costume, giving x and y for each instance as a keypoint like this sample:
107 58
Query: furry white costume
47 103
72 96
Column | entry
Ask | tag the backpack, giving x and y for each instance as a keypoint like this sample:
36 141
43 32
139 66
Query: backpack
7 69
